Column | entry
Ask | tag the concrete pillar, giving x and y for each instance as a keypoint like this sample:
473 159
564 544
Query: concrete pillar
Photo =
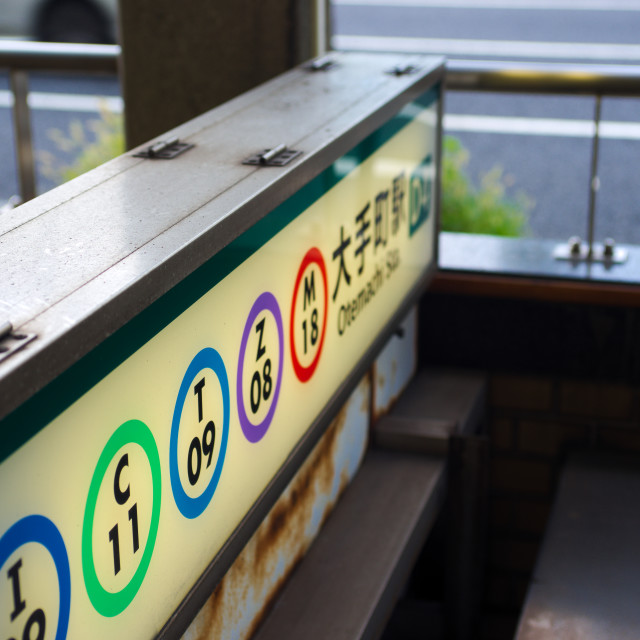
180 59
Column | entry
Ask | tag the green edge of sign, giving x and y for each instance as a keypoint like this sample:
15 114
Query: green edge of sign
44 406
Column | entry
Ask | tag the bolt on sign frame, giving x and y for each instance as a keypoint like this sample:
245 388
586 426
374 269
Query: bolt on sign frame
180 328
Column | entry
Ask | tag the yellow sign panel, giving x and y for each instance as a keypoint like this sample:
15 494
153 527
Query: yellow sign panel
116 506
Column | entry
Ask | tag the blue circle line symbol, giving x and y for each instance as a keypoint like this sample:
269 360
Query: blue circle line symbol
190 507
37 528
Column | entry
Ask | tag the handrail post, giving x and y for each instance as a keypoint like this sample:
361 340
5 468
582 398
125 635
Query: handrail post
22 133
594 183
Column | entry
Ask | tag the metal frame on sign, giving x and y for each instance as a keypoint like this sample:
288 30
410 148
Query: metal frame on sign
62 342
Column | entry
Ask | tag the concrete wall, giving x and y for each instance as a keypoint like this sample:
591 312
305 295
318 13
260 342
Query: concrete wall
561 377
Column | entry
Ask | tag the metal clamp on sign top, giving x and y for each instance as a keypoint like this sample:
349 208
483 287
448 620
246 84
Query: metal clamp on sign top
323 63
403 70
276 157
165 149
11 342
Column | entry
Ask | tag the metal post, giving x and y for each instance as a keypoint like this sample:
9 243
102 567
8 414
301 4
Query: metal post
594 183
22 132
321 27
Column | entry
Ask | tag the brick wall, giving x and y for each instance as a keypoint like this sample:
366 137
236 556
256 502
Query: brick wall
534 421
545 399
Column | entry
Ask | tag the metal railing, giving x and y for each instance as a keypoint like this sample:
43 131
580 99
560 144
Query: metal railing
462 75
21 57
554 78
540 77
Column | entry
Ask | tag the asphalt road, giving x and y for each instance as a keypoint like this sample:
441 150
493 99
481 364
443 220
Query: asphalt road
551 168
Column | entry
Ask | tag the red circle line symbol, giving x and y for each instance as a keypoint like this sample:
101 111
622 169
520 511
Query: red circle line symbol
313 256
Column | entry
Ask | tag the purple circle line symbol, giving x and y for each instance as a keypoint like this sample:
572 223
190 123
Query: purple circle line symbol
265 302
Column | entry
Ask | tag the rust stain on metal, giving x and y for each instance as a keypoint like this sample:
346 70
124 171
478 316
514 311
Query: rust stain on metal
393 369
210 614
367 398
379 411
377 389
272 597
344 481
285 526
254 581
376 381
393 397
289 515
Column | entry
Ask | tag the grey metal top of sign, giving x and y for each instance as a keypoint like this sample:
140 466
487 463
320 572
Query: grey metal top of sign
81 260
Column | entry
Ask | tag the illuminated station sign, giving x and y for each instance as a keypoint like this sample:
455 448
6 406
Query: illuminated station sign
126 473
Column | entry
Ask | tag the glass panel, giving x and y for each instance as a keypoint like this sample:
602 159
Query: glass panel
618 201
538 149
76 122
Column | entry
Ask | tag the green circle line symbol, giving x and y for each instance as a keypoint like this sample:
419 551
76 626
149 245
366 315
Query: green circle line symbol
109 603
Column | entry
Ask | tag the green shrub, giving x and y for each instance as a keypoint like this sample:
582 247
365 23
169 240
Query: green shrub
91 145
464 208
467 209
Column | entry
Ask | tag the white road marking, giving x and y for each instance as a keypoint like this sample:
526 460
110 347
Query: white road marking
566 128
528 5
66 102
489 48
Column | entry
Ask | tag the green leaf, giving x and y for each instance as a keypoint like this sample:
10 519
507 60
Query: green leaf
487 209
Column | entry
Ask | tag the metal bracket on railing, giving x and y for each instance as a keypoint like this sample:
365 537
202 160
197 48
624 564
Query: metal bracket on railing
577 251
11 342
165 149
275 157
